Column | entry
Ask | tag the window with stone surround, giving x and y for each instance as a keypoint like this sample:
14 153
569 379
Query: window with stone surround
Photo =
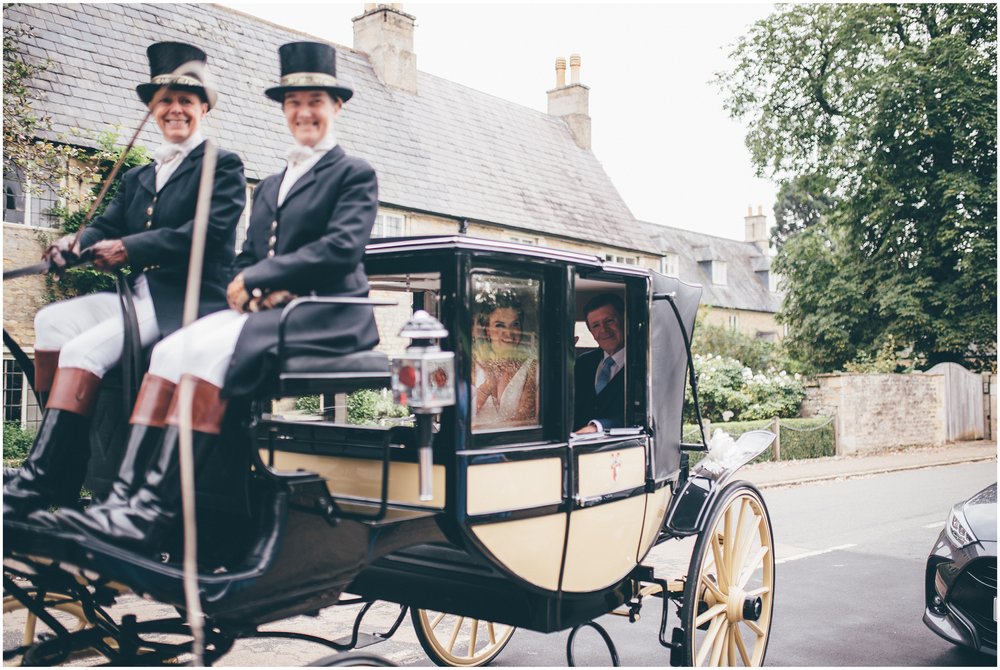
244 224
30 206
719 273
19 405
624 260
523 240
670 265
389 225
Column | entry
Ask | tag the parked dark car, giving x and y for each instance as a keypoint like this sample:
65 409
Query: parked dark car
961 580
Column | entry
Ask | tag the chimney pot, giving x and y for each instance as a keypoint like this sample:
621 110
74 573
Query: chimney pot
385 33
760 210
574 68
749 210
572 102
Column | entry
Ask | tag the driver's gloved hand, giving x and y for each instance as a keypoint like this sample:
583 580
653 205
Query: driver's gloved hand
62 252
108 255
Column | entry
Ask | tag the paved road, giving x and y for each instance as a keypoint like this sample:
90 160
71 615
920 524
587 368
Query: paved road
848 587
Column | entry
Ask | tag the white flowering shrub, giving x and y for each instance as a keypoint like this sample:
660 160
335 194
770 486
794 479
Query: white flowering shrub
726 386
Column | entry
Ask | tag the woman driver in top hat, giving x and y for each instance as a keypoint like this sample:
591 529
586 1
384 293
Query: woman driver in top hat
308 229
147 227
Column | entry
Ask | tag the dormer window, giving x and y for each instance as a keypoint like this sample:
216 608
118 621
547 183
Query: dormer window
719 273
670 265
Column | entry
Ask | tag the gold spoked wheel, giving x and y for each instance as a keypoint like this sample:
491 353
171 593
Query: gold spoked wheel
729 590
459 642
55 601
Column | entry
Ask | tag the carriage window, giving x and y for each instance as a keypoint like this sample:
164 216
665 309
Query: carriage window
599 371
505 352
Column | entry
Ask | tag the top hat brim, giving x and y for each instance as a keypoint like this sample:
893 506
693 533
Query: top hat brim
277 93
147 91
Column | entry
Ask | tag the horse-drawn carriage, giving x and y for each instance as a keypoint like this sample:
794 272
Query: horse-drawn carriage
484 508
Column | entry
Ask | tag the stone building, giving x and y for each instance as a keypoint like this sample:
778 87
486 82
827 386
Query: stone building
450 159
739 287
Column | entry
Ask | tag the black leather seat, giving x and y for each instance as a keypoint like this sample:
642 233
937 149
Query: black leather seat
308 375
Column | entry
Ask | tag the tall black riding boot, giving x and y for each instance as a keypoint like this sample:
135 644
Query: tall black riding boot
57 464
149 416
46 364
153 510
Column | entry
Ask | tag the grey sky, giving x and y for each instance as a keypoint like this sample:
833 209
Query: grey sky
659 127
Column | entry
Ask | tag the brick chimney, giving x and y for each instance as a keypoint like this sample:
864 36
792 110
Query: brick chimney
756 229
385 33
572 101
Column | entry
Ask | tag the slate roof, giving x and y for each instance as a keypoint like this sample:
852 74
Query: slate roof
447 149
744 288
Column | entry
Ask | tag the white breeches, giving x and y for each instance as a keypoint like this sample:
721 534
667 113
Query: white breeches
88 331
202 349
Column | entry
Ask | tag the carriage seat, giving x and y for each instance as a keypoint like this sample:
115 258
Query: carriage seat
309 375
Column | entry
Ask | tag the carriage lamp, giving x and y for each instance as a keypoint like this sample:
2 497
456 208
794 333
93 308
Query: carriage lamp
423 379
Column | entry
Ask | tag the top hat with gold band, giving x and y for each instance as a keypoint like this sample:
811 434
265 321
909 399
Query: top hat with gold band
308 65
180 67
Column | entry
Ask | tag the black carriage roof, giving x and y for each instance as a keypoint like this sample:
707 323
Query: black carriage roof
516 250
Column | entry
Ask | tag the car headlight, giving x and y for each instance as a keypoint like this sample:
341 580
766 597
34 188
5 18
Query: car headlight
958 528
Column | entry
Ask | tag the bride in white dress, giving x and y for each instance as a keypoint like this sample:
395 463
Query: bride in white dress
506 371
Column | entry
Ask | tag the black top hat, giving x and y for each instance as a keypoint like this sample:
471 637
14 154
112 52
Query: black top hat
179 66
308 66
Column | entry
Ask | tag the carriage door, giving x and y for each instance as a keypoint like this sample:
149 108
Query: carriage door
608 467
514 466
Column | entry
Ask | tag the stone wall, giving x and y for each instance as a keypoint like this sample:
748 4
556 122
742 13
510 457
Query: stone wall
22 297
876 411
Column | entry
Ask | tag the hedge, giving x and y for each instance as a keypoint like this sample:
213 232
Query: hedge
800 438
16 443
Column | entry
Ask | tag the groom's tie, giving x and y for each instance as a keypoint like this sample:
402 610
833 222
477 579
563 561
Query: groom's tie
604 376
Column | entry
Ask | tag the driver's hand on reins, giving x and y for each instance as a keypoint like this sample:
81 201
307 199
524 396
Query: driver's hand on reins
241 300
237 295
108 254
62 251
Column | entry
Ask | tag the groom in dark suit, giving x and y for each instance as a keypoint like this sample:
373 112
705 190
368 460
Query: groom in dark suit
600 388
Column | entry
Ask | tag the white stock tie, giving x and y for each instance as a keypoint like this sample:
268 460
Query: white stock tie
166 157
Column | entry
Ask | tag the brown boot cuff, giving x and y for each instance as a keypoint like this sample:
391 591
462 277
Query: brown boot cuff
207 410
153 402
74 390
46 363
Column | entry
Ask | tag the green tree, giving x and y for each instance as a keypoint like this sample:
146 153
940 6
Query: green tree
893 106
101 161
801 202
827 300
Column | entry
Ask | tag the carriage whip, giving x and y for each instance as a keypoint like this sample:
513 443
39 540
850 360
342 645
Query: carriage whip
192 295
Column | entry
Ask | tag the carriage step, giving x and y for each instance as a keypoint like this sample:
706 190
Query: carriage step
392 516
364 640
